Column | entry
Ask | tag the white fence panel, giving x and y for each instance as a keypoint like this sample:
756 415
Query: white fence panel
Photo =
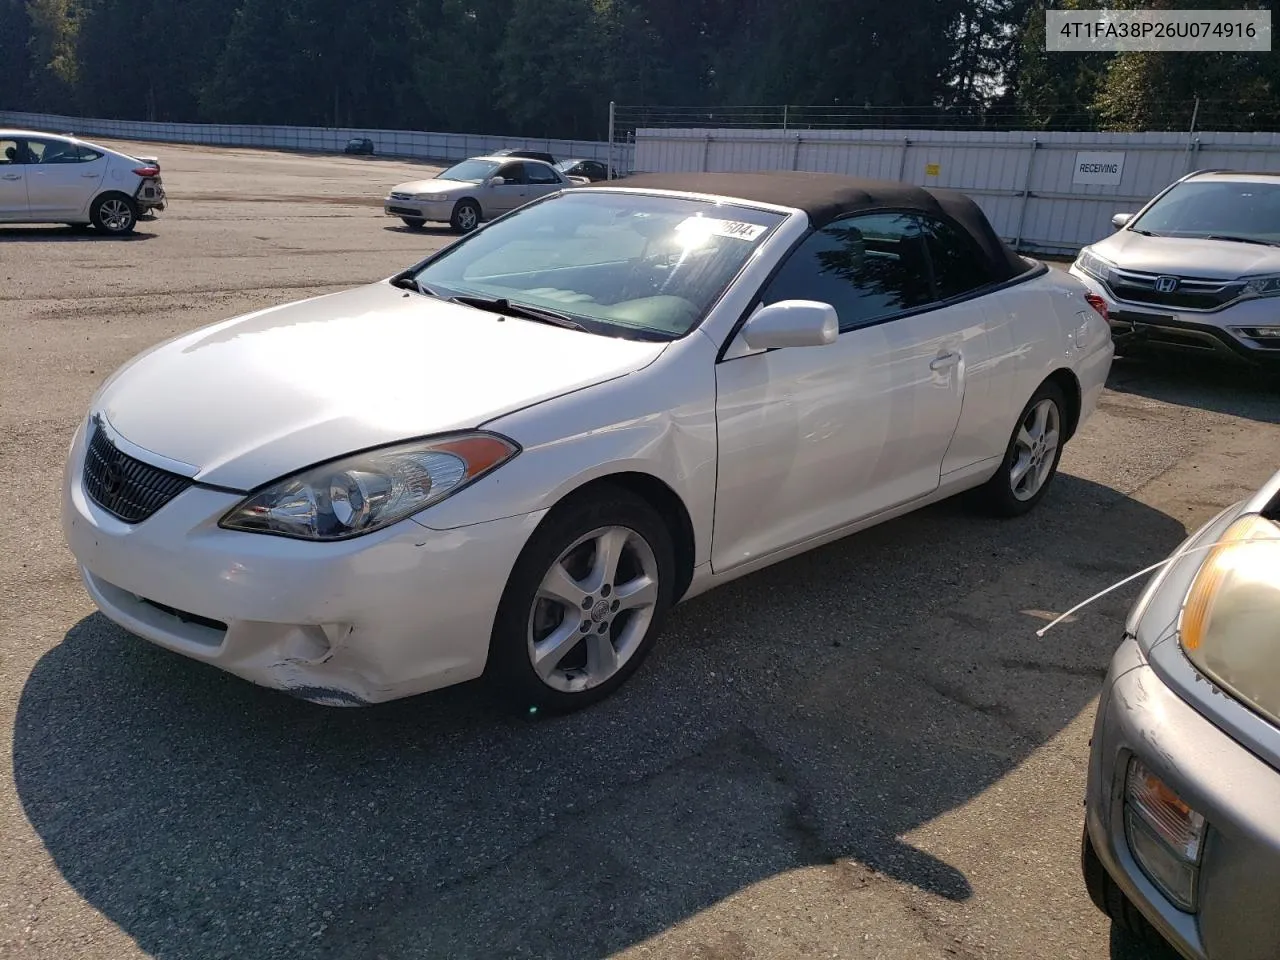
1025 181
397 143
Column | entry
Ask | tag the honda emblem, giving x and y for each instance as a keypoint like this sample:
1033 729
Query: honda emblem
1166 284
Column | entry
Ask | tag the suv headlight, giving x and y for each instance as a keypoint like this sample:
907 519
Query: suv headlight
1093 265
1260 287
1229 626
367 491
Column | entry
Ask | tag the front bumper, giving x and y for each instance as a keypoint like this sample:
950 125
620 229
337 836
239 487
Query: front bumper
437 211
1191 333
1236 792
397 612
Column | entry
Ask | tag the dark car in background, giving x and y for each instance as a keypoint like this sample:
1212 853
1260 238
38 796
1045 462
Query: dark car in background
592 171
525 155
359 146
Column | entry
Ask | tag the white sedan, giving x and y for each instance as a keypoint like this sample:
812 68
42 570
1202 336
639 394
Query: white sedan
48 178
513 458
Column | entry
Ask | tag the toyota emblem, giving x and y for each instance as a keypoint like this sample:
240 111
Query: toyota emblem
111 480
1166 284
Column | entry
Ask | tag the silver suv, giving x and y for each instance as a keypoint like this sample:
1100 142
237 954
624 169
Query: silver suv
1197 270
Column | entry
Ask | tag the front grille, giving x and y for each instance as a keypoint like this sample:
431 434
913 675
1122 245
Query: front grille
405 211
1190 294
123 486
401 196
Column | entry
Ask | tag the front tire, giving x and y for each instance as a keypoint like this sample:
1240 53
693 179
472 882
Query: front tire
584 603
466 216
114 214
1031 458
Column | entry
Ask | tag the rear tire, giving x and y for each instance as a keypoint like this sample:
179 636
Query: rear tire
114 214
584 603
466 216
1031 459
413 223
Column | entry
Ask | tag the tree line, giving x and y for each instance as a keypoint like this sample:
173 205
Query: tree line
550 67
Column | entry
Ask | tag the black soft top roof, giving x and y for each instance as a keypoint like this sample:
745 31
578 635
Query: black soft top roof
825 197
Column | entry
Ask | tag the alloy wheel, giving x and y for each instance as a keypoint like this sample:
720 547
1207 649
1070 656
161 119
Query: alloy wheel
593 609
1035 449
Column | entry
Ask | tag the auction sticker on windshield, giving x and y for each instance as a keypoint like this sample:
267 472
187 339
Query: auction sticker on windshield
712 227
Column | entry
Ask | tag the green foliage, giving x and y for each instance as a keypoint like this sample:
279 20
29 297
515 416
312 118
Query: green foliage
550 67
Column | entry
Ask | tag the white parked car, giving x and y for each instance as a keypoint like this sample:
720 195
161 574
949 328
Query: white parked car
48 178
1196 271
473 191
513 458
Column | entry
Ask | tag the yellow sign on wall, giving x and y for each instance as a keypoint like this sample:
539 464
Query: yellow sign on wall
932 169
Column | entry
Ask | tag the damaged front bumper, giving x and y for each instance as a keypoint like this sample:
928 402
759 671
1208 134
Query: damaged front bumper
398 612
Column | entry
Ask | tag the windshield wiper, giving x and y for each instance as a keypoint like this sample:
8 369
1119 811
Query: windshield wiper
537 314
1222 236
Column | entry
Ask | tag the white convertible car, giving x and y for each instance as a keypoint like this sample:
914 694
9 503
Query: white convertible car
513 458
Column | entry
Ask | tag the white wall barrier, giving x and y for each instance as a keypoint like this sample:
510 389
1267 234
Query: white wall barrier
1046 191
393 143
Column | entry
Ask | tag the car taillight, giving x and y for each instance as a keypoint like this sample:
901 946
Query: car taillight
151 171
1098 304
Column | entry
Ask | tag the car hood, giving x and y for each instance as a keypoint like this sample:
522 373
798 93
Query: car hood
1187 256
251 399
434 186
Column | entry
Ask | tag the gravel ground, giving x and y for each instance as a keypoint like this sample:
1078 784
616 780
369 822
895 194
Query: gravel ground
864 752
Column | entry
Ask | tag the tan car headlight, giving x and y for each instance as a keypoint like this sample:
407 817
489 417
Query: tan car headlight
1230 621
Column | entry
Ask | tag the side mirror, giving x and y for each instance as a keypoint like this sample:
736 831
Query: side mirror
497 181
792 323
1120 219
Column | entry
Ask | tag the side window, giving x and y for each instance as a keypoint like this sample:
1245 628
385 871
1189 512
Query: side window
57 152
540 173
958 265
511 172
10 152
35 151
868 267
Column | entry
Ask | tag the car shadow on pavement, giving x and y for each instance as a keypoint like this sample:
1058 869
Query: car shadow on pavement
806 717
430 230
1213 385
55 234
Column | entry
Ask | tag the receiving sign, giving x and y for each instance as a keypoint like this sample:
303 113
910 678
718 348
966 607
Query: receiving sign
1102 168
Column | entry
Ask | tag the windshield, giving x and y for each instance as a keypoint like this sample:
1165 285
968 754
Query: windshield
1216 208
564 166
619 264
472 171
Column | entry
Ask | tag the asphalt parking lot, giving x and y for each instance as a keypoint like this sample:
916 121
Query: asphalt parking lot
864 752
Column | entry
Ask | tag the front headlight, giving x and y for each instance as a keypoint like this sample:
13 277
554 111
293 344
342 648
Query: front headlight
367 491
1229 626
431 196
1093 265
1261 287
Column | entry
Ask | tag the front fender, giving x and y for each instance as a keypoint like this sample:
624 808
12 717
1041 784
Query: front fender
658 421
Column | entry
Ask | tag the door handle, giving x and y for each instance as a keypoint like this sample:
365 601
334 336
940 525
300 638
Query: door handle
944 362
89 175
11 176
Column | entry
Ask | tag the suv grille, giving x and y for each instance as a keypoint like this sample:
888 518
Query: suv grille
1189 294
123 486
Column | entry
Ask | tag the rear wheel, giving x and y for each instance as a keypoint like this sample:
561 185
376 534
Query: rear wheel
584 603
114 214
1031 458
466 216
413 223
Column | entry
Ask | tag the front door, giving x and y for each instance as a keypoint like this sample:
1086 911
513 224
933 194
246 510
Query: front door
13 182
542 180
813 439
510 193
62 177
